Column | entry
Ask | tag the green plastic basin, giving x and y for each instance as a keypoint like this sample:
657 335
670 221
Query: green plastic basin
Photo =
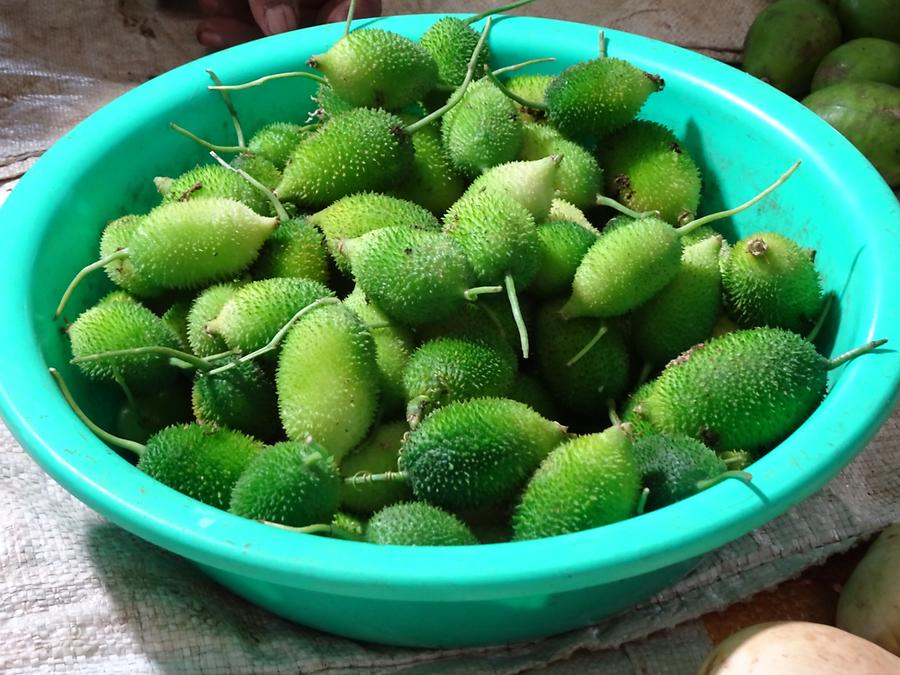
743 134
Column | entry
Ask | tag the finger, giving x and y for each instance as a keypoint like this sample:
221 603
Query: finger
238 9
280 16
221 32
336 10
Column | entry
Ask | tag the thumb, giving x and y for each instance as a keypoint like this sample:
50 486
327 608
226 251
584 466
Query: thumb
276 16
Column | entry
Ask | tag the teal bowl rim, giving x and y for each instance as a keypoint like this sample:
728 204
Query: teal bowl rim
72 455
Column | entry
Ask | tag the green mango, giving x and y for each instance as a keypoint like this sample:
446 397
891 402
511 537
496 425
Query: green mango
861 60
870 18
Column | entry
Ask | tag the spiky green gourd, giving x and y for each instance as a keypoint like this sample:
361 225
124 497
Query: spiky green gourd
345 526
593 99
257 310
393 346
204 309
587 482
116 236
200 461
598 374
530 88
768 280
476 453
330 104
153 411
211 180
634 411
116 325
176 317
483 130
355 215
378 69
433 181
674 467
560 209
418 524
291 483
526 389
261 169
646 168
744 390
530 183
684 312
450 369
414 276
361 150
561 247
295 249
451 41
327 379
378 453
241 398
276 142
579 177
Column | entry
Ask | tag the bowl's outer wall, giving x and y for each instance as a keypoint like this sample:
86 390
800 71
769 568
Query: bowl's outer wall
743 134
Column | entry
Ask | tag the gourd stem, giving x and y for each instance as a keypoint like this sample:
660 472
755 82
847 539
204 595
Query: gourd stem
694 224
374 325
611 410
87 269
386 477
853 353
222 355
351 10
642 501
601 51
319 528
603 200
458 94
277 338
590 345
267 78
105 436
515 97
471 294
238 130
733 458
517 314
518 66
196 361
497 10
206 144
129 395
708 483
276 203
826 308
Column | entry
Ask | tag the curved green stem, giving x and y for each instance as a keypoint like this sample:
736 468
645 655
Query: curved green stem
196 361
725 475
517 314
207 144
853 353
386 477
497 10
515 97
611 411
276 203
642 501
318 528
238 130
458 94
267 78
87 269
589 346
826 308
603 200
471 294
105 436
601 51
518 66
694 224
351 10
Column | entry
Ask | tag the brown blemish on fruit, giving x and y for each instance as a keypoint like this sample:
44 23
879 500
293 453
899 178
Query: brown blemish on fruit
757 247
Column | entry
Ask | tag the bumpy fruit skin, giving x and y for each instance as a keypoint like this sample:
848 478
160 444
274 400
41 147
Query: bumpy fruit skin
746 390
602 373
276 142
198 242
451 369
870 18
560 209
378 69
261 169
497 234
199 461
393 345
241 398
612 278
579 177
786 42
418 524
355 215
860 60
531 183
116 236
768 280
634 411
377 454
483 130
414 276
176 318
561 247
360 150
327 379
330 104
291 483
587 482
295 249
115 325
684 312
451 41
476 453
259 309
212 180
204 309
593 99
866 114
646 168
532 88
672 465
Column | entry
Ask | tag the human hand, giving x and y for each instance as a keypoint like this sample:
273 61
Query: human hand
230 22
